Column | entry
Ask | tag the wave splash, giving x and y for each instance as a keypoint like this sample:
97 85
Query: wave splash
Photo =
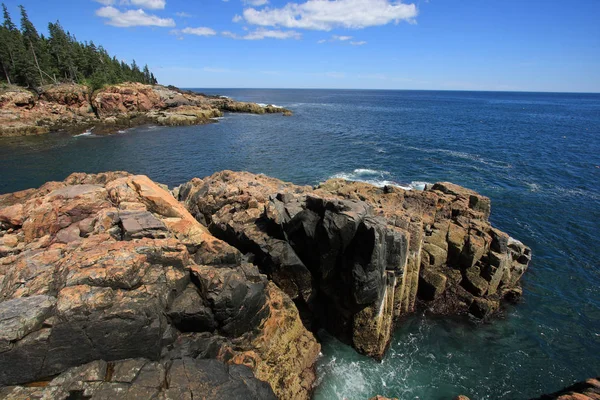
378 178
86 133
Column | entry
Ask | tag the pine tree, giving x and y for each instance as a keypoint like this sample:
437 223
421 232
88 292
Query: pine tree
60 48
30 59
147 78
9 35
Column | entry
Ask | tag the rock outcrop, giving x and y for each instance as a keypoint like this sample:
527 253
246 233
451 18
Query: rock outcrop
139 378
74 108
586 390
355 258
110 286
109 267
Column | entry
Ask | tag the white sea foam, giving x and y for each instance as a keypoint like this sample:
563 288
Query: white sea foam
419 185
224 97
378 178
86 133
263 105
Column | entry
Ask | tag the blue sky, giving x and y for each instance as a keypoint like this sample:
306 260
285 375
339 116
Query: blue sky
523 45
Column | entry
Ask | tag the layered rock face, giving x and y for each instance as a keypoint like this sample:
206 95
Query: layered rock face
75 108
355 258
25 113
112 267
139 378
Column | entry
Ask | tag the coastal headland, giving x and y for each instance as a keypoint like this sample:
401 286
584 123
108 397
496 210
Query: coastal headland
76 108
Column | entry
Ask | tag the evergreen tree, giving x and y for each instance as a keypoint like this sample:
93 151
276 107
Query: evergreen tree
30 59
147 78
9 36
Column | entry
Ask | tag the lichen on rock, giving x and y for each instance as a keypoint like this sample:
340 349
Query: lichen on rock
112 267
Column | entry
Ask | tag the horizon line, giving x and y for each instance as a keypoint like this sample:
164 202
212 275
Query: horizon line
374 89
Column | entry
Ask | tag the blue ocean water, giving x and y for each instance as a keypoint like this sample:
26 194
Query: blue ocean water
536 155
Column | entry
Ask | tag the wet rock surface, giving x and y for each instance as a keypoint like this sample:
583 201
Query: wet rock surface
586 390
75 108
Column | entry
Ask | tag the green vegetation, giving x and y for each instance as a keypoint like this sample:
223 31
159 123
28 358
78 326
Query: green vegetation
30 59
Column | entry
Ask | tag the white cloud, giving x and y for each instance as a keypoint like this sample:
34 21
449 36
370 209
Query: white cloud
256 3
237 18
183 15
272 34
148 4
342 38
262 33
230 35
359 43
321 41
199 31
328 14
132 18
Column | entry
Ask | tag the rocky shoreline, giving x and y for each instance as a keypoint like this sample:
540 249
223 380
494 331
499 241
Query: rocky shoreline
112 286
75 108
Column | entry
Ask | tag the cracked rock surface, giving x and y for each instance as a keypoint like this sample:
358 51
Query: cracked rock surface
108 267
355 257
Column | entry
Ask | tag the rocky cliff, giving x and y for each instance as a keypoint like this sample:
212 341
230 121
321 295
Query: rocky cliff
75 108
111 267
103 277
356 258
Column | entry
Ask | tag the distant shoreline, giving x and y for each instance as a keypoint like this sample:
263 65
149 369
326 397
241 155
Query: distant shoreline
398 90
75 108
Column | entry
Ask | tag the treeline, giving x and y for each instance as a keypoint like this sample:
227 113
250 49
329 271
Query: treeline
32 60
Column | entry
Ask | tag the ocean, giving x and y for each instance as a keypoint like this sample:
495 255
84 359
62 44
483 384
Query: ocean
536 155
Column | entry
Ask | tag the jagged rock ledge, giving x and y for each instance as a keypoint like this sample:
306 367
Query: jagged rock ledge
585 390
75 108
111 269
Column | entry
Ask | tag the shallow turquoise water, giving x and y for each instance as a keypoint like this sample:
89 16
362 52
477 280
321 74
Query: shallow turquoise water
537 156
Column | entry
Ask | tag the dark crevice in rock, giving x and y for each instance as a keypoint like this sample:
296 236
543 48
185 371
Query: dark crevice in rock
78 395
110 368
